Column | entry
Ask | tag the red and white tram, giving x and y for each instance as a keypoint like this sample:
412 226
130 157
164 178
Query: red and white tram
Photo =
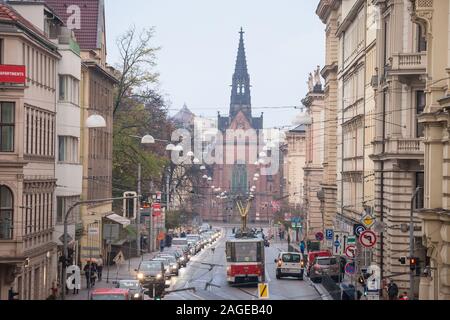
245 260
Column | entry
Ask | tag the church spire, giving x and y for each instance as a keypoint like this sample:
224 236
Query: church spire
240 92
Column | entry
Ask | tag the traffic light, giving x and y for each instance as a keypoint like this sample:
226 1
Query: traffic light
413 262
130 202
402 260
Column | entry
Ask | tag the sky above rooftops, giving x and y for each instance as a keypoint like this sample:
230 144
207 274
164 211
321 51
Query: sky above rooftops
284 41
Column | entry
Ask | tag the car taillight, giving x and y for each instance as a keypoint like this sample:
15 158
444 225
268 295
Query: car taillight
279 263
302 264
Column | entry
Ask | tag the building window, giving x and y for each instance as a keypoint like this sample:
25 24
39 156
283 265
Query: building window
6 213
421 40
420 178
62 205
7 110
420 107
69 89
68 149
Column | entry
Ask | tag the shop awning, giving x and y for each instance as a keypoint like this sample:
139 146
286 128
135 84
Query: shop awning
119 219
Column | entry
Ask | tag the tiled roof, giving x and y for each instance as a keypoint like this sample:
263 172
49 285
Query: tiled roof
9 14
90 15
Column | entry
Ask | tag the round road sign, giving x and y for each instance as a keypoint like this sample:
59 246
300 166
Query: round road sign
359 229
319 236
368 239
350 268
350 251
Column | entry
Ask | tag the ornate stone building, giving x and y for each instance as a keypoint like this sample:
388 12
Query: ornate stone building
329 11
313 169
294 159
432 19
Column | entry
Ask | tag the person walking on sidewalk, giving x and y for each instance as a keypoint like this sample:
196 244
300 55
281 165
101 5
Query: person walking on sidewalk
100 267
392 291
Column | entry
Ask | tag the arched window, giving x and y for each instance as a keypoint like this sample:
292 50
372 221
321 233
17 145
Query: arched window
6 213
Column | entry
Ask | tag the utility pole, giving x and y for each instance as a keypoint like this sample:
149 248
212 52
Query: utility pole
411 242
138 211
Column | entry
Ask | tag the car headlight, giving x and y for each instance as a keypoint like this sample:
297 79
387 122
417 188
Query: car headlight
182 259
140 276
189 256
159 276
136 295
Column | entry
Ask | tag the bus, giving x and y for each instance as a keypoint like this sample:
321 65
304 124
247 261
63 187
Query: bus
245 260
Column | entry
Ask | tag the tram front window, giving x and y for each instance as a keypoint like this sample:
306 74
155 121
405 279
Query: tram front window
246 252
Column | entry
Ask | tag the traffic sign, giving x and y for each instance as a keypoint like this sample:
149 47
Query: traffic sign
119 258
350 251
68 237
358 229
263 291
368 239
319 236
337 243
342 238
367 220
351 240
329 234
350 268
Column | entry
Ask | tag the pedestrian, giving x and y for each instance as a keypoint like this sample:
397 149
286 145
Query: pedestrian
87 269
12 294
93 273
302 247
76 287
392 291
100 267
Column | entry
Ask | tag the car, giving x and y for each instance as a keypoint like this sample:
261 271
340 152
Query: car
173 263
134 286
312 255
153 271
290 264
110 294
325 266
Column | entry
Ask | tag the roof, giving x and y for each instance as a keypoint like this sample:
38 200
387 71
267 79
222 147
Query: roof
300 128
7 13
92 20
110 291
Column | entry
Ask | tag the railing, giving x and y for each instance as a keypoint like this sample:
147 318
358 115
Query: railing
409 146
409 61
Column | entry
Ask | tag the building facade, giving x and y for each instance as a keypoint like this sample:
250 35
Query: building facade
432 19
329 13
28 260
96 98
295 159
313 168
398 152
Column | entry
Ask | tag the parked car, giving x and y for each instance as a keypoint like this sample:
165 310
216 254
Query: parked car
134 286
110 294
311 256
290 264
324 266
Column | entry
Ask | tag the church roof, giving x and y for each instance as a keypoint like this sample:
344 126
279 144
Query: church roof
184 116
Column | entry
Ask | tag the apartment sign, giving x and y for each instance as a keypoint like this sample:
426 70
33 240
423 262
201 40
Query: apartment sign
12 74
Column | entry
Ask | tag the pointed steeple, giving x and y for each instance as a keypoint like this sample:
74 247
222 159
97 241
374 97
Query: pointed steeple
240 92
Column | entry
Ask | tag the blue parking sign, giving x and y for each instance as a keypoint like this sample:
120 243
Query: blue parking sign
329 234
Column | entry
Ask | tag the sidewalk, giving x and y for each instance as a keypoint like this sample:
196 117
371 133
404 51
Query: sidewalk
124 271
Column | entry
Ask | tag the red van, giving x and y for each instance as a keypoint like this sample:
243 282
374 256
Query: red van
110 294
311 256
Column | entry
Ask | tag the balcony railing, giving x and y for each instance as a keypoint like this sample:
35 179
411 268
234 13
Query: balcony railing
405 146
409 61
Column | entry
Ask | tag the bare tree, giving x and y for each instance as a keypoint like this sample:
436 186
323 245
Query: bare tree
137 58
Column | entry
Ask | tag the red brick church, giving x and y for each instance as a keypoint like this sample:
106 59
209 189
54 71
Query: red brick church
242 144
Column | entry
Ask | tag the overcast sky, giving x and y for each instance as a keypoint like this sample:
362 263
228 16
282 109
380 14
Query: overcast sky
284 41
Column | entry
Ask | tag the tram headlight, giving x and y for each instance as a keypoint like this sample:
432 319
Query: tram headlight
140 276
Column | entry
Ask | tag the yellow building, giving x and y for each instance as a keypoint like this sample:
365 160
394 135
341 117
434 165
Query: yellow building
433 19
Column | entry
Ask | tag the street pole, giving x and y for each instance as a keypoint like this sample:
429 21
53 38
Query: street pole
138 214
411 242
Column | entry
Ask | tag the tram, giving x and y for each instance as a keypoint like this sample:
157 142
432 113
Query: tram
245 259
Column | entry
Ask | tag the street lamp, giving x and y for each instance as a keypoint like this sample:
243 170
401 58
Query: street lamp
170 147
95 121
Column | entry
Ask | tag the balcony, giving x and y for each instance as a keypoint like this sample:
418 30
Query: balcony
405 148
409 63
